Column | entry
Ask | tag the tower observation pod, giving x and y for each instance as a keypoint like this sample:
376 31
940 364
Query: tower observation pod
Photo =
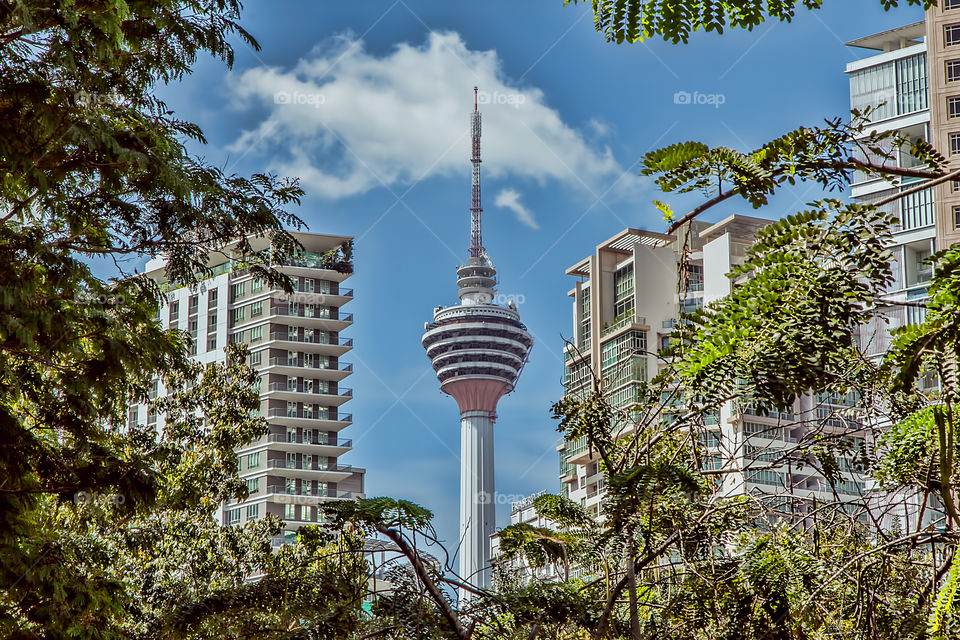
478 349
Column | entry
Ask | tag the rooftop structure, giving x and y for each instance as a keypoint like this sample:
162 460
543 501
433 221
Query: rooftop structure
478 349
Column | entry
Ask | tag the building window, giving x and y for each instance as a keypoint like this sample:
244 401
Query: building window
291 432
951 4
951 35
133 416
953 107
623 290
291 384
308 285
289 512
291 409
256 309
253 460
212 298
291 358
253 486
583 339
257 285
174 311
954 144
956 186
308 386
239 290
239 314
211 343
307 462
253 511
308 436
256 358
233 516
953 70
291 486
256 334
193 305
291 460
956 217
308 411
911 84
916 210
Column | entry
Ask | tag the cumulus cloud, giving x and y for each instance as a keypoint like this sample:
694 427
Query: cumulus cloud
510 199
347 121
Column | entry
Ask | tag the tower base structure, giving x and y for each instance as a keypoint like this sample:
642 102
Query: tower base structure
477 500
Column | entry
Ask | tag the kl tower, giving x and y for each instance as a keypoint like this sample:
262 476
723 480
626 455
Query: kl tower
478 349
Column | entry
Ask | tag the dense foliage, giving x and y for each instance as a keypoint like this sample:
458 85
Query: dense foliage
675 20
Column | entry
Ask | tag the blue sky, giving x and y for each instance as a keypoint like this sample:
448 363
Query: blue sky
377 126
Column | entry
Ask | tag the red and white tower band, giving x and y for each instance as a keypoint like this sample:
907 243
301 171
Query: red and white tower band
478 349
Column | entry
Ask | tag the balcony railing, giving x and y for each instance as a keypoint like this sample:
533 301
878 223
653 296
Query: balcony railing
280 386
331 442
284 490
282 413
317 339
300 363
284 310
623 322
283 464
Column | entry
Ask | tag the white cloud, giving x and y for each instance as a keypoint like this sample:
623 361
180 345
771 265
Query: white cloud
599 129
347 121
510 199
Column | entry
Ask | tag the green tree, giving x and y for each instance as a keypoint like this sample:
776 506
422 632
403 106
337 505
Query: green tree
106 530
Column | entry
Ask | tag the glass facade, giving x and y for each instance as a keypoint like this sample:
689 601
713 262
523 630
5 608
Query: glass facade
894 88
623 289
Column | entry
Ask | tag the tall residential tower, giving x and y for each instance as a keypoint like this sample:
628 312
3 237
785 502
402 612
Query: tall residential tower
296 345
478 349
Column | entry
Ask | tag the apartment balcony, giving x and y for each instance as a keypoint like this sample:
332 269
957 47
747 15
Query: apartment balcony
332 473
281 391
341 322
301 367
278 490
322 346
629 320
332 447
310 265
322 422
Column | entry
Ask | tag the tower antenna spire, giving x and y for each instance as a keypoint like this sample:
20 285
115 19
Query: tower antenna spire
476 238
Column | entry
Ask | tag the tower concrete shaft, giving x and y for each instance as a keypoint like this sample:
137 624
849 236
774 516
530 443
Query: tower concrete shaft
477 505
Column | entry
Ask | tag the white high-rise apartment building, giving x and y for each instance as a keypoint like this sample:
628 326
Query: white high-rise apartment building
297 346
625 305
